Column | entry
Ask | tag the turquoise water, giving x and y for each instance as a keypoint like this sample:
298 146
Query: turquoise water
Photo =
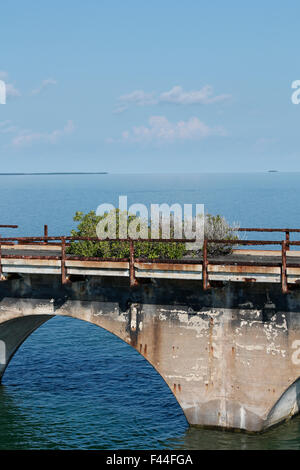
74 386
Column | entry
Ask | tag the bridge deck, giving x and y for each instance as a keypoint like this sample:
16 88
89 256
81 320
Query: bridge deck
240 265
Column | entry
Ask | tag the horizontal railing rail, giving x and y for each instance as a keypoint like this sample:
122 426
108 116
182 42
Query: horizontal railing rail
287 231
244 229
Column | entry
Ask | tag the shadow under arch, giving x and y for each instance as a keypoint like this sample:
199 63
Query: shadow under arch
287 406
16 331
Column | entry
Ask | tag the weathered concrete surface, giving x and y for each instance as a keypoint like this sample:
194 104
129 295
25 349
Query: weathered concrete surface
230 355
242 267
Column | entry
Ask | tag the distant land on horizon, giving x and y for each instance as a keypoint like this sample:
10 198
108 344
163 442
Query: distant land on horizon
57 173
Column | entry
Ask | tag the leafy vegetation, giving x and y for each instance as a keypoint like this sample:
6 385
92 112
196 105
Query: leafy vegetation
216 227
118 249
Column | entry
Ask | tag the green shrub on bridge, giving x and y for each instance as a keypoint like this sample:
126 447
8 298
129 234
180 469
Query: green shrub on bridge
216 227
118 249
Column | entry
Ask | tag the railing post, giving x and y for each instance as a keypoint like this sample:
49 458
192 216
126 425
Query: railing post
63 260
287 239
205 267
46 233
133 281
1 276
283 268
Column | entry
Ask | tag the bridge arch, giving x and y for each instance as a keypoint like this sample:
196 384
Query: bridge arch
203 351
16 328
286 406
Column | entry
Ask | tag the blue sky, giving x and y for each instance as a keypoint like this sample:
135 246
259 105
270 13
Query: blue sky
149 86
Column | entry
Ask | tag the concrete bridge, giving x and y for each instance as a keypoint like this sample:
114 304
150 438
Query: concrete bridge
224 334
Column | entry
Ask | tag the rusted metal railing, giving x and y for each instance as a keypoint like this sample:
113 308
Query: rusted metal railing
133 281
46 233
63 242
63 261
4 226
284 285
205 267
287 231
0 259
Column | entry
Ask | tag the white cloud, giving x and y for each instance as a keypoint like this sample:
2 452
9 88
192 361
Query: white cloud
8 130
6 127
161 130
204 96
4 123
137 97
11 91
26 137
45 83
176 95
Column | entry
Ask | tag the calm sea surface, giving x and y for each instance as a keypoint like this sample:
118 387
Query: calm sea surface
72 385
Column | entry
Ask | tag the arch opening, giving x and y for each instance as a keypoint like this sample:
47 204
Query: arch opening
286 406
136 392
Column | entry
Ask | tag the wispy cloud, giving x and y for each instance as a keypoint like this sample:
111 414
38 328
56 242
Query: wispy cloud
6 127
4 123
204 96
138 98
11 90
45 84
161 130
27 137
177 95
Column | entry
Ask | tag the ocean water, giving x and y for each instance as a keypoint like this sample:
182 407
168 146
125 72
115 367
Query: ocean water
72 385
